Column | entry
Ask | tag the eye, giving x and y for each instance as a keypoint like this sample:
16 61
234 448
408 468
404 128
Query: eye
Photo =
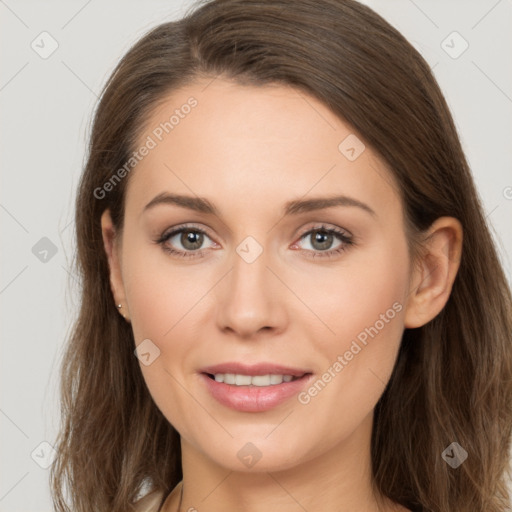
322 238
192 238
189 237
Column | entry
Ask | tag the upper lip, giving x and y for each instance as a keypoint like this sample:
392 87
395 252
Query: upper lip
254 369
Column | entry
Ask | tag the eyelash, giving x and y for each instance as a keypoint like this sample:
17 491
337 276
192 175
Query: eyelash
346 240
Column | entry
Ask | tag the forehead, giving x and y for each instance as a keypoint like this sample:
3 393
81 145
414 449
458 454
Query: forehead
265 144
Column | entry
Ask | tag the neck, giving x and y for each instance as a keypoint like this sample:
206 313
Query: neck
337 480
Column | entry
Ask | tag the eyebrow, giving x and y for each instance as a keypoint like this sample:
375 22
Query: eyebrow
294 207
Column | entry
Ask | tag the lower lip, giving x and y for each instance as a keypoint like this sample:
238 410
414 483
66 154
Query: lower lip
254 398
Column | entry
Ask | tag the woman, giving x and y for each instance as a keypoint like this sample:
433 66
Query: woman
291 299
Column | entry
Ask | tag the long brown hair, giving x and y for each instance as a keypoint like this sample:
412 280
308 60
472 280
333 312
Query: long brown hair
453 377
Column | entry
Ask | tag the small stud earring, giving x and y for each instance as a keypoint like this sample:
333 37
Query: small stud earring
119 306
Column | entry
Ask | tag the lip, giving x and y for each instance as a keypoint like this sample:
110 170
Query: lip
254 398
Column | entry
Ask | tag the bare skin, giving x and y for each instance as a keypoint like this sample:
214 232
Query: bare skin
249 150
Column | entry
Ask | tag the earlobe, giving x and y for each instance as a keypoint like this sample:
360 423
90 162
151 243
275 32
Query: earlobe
434 273
111 246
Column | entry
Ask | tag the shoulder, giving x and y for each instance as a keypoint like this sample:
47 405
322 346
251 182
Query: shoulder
149 503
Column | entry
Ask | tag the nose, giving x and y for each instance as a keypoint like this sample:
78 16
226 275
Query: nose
251 298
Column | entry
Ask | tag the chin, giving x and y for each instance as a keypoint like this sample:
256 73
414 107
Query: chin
257 456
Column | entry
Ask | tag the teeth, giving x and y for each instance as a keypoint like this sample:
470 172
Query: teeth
276 379
243 380
230 378
254 380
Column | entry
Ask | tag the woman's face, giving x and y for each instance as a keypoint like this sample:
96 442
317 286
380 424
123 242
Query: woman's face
266 283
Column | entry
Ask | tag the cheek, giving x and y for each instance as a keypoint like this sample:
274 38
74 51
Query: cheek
367 317
163 299
364 300
161 292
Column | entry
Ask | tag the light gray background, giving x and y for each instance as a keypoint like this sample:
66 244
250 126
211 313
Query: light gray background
46 107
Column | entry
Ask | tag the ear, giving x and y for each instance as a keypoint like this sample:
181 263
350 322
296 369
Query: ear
111 243
434 272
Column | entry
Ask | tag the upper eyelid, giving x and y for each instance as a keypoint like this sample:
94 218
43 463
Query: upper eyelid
177 229
317 226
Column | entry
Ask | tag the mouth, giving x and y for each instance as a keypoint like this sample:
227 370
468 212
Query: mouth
238 379
254 388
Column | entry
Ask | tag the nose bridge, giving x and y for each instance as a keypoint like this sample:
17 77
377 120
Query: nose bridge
250 275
